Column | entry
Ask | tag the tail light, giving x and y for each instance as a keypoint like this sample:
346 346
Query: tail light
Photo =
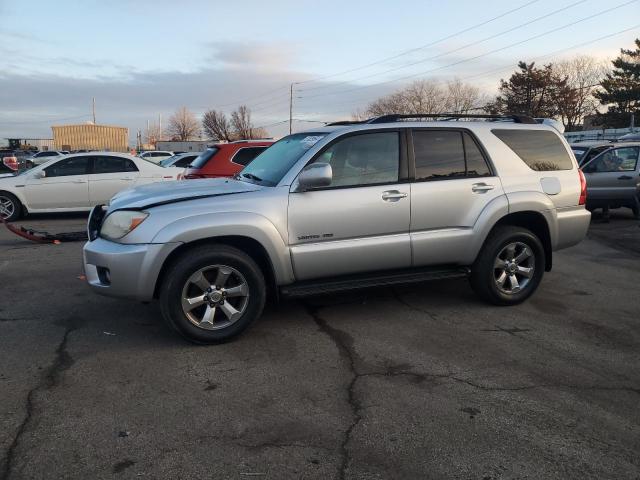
11 162
583 188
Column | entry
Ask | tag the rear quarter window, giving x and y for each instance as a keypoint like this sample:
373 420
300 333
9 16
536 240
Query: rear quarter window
541 150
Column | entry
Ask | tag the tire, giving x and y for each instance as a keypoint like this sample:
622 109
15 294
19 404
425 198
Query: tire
218 315
11 205
494 261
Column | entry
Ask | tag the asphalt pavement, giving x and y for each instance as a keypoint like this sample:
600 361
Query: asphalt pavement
423 381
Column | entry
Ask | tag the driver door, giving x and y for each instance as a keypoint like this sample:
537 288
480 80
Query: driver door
612 175
360 223
65 185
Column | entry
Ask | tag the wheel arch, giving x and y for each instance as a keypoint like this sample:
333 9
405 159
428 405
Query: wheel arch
248 245
534 221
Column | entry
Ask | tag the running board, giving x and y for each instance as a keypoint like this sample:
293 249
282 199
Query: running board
379 279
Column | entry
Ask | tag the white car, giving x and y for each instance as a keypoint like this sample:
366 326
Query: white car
44 156
156 156
76 183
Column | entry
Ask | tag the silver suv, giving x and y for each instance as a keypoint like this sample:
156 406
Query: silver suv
346 206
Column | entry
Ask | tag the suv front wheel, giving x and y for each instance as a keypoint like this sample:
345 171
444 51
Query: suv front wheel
212 293
509 267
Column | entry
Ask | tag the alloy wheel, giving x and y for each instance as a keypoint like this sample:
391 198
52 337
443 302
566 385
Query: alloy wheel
514 267
215 297
7 207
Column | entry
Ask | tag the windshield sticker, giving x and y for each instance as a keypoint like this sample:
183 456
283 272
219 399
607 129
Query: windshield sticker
310 141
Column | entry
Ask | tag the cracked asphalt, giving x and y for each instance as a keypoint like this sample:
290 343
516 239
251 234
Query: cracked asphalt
420 382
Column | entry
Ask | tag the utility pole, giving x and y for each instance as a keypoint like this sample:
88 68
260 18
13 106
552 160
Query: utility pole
291 108
94 110
159 126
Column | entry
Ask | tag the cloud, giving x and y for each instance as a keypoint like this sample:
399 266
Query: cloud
248 55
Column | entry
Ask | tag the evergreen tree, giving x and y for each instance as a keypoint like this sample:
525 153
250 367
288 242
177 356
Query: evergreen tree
621 90
531 91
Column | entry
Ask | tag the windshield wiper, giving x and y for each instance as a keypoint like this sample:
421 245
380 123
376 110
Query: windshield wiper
251 176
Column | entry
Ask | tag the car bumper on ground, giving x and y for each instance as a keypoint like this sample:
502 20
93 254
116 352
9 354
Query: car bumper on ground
124 270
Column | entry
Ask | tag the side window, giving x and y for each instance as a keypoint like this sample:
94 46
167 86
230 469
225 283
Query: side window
541 150
475 161
113 165
185 161
439 154
244 156
367 159
70 166
615 160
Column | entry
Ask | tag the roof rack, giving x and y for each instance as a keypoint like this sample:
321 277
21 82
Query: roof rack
450 116
345 122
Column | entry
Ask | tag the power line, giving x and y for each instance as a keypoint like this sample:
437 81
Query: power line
472 44
553 30
406 52
510 67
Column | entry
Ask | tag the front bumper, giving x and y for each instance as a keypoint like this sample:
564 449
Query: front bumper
124 270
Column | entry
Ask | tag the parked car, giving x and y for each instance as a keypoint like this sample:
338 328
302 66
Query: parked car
345 206
585 151
181 160
630 137
226 159
613 178
76 183
39 158
155 156
12 161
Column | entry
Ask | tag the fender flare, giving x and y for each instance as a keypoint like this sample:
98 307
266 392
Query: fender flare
241 224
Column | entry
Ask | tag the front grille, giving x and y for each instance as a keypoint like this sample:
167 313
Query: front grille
95 221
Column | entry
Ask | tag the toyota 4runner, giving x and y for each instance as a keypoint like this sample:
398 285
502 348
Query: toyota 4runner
390 200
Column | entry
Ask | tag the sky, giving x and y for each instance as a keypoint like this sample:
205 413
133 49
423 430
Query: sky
143 59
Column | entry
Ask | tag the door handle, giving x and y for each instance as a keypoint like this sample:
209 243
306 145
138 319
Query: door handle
625 177
481 187
393 195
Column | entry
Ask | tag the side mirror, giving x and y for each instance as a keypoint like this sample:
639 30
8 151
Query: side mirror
39 174
315 175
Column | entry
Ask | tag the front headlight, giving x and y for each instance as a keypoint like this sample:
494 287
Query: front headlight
121 222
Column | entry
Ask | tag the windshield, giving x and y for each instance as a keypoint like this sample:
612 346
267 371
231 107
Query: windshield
270 166
167 161
204 157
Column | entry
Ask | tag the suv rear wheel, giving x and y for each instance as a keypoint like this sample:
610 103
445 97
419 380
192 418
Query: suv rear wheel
509 267
212 293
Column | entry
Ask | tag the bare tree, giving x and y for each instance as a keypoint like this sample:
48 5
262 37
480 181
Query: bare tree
217 126
583 75
153 134
463 97
241 121
183 125
429 96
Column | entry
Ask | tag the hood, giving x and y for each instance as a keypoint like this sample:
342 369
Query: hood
162 193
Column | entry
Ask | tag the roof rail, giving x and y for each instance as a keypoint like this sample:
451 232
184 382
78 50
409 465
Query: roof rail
345 122
447 116
249 140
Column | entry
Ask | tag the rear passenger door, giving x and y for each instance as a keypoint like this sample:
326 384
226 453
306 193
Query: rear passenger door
453 183
111 174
